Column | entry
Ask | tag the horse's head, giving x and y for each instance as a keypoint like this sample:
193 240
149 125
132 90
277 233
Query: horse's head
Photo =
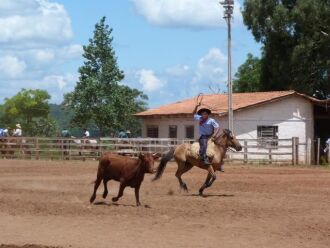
227 139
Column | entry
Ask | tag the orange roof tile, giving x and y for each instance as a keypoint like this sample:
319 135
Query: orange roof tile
218 103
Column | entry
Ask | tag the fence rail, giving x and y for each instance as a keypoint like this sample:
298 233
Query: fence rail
254 150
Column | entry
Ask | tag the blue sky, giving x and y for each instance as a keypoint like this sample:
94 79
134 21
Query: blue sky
169 49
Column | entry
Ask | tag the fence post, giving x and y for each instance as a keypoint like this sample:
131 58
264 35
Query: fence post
270 155
309 151
245 152
37 149
295 150
318 151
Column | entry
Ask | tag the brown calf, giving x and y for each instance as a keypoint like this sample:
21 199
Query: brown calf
128 171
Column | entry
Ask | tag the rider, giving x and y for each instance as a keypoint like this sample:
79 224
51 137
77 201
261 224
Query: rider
207 127
18 131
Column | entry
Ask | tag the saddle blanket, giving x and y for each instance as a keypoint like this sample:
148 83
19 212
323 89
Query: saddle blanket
194 150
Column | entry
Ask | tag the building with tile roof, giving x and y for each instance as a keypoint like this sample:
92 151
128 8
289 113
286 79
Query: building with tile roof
257 115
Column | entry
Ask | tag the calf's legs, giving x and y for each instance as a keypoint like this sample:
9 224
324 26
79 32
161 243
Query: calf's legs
120 192
137 195
96 185
105 193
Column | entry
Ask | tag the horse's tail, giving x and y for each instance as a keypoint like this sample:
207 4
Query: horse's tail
160 170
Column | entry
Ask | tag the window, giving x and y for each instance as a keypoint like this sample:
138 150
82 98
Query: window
152 131
190 130
173 131
267 135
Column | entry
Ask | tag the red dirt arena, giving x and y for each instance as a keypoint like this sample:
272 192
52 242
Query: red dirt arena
46 204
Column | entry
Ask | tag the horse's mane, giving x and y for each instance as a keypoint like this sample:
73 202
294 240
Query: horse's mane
217 135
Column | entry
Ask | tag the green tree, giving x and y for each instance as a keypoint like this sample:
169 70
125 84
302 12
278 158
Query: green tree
98 98
296 43
247 78
30 108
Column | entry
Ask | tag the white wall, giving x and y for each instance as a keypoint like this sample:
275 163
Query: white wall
293 116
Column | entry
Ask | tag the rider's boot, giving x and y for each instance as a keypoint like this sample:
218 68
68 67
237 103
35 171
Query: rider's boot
206 160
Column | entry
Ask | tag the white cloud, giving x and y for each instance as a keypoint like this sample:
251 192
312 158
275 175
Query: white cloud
211 68
44 55
40 21
36 47
178 70
71 51
185 13
61 82
11 66
207 75
150 82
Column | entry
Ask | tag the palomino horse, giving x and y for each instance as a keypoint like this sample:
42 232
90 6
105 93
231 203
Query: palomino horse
186 156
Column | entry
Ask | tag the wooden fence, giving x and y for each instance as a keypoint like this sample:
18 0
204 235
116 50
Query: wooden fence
254 150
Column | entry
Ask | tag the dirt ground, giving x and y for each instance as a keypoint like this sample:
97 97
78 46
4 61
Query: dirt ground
45 204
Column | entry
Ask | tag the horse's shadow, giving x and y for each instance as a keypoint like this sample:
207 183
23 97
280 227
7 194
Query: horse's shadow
115 204
211 195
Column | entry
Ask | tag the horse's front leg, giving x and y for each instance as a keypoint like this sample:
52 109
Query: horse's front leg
204 186
209 180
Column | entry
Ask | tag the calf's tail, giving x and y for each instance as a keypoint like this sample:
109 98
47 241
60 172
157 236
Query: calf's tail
167 157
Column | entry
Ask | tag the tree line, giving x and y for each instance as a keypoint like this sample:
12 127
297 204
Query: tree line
295 38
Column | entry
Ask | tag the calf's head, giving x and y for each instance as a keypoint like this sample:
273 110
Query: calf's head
148 161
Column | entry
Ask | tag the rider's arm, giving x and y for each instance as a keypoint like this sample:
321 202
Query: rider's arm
197 117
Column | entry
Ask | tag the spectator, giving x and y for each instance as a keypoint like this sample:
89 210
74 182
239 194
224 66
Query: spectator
65 133
327 145
18 131
86 133
128 133
122 134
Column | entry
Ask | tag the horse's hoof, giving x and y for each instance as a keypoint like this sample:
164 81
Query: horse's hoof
184 187
114 199
92 199
105 195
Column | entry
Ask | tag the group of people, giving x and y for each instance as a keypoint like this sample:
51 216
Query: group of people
86 134
6 132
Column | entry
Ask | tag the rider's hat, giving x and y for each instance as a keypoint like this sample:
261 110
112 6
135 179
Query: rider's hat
18 125
204 110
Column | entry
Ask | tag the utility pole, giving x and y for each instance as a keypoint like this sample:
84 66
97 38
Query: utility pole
228 5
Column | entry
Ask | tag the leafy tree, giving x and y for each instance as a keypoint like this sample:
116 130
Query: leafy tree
247 78
98 98
296 43
30 108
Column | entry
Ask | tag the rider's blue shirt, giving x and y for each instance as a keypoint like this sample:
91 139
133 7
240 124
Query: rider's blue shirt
207 127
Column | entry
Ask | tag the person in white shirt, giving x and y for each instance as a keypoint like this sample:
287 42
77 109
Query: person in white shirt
86 133
327 145
18 131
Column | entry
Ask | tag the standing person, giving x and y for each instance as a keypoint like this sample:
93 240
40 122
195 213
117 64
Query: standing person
65 133
128 133
207 126
122 134
86 133
18 131
327 145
